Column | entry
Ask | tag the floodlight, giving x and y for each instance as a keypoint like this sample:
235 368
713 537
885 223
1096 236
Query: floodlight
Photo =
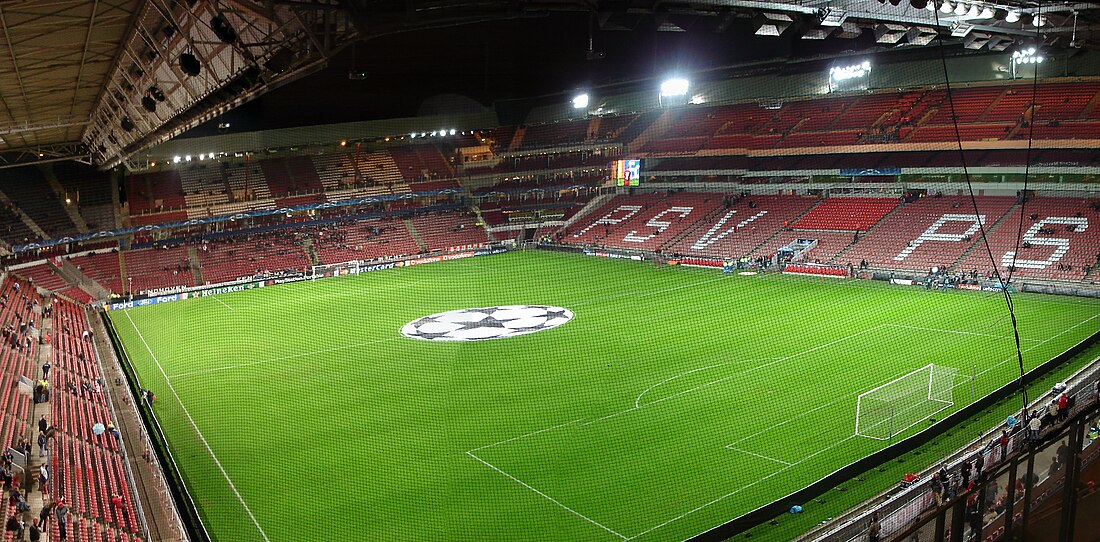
190 65
187 158
674 87
1012 17
176 159
452 132
974 12
960 9
580 101
987 13
946 7
1039 20
931 6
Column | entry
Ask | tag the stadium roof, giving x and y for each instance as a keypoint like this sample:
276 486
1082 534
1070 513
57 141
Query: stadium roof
102 79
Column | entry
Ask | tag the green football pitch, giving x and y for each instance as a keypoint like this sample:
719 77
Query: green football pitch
674 400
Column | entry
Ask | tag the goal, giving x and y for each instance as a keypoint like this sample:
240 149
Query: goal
334 270
902 403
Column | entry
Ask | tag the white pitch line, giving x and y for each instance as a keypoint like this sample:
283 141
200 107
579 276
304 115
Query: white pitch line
196 428
738 490
525 435
282 358
735 375
1041 343
638 399
547 497
760 456
957 332
223 303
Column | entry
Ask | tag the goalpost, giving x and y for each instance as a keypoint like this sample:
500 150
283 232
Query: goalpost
904 402
334 270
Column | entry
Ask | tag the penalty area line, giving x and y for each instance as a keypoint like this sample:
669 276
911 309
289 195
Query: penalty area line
196 428
740 489
957 332
760 456
547 497
223 303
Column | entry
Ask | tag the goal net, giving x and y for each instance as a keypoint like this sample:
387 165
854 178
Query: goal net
902 403
334 270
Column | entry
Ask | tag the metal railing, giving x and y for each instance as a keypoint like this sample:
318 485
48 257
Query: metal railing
918 508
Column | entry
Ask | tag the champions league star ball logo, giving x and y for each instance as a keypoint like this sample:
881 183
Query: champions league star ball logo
486 323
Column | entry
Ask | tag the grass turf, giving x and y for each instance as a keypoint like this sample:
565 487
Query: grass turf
676 399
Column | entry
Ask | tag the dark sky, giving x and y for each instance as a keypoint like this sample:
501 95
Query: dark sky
504 60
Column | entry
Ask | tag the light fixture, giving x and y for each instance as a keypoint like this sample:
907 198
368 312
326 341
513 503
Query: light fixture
946 7
987 13
176 159
452 132
841 73
149 104
1012 17
222 29
580 101
674 87
974 12
1039 20
190 65
127 124
960 9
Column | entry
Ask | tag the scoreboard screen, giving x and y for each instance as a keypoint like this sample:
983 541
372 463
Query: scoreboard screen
626 172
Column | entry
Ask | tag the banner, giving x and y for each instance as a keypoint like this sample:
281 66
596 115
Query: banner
225 288
870 172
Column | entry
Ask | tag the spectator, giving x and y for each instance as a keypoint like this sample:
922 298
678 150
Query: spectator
14 525
61 512
43 445
1033 428
46 513
34 532
874 529
979 464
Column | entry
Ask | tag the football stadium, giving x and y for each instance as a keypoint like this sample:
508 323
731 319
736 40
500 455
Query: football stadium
606 271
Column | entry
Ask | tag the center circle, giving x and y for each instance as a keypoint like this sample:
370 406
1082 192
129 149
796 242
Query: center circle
486 323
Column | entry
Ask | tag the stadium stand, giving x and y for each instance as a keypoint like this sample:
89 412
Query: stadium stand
91 189
368 239
643 222
846 214
945 222
269 252
829 244
744 225
103 268
43 276
303 174
14 230
154 268
86 469
29 190
446 230
420 162
555 134
1056 240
